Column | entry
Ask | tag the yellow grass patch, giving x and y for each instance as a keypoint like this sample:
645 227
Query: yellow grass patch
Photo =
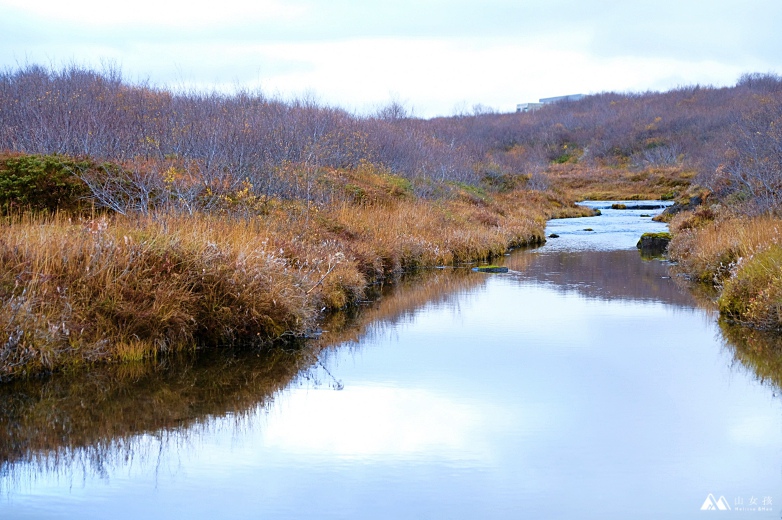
127 288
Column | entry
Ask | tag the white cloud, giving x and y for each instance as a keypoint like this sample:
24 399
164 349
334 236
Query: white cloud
435 75
155 13
434 54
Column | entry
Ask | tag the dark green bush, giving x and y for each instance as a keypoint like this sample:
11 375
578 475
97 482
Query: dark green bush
41 182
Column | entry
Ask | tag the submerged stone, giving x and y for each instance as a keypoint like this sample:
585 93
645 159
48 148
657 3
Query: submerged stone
490 269
643 206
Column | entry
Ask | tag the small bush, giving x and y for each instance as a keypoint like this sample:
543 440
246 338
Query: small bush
41 182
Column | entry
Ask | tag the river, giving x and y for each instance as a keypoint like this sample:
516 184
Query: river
584 383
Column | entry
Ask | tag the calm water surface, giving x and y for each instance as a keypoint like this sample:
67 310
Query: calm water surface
582 384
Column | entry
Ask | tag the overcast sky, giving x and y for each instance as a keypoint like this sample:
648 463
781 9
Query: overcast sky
435 56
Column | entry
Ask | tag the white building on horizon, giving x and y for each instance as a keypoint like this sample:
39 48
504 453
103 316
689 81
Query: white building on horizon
531 107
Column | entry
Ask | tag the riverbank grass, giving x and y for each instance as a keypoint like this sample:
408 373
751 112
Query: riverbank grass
753 294
117 288
740 255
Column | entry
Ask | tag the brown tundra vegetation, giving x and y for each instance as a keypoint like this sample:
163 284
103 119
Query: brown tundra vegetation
140 221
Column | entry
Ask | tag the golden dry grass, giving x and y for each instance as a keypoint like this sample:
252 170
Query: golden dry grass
76 292
706 249
128 288
578 182
742 255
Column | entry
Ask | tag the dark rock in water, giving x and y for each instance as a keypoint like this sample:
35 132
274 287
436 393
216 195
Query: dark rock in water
553 235
653 242
638 206
646 206
490 269
678 208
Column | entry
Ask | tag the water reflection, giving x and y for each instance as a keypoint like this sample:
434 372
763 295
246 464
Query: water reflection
578 384
376 422
91 421
94 419
609 275
397 302
758 351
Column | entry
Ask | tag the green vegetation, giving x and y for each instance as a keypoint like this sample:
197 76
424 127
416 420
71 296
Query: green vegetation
38 183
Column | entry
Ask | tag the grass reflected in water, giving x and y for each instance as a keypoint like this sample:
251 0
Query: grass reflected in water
91 420
110 416
760 352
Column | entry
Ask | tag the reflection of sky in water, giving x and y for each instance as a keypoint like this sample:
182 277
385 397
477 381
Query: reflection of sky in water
513 400
384 423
